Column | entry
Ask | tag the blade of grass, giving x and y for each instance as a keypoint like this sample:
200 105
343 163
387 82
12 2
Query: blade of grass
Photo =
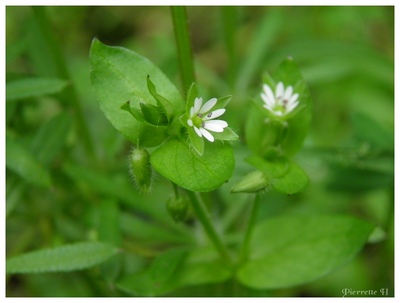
229 16
70 94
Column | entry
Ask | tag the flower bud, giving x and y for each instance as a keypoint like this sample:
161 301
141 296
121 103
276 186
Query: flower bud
178 208
153 114
140 169
251 183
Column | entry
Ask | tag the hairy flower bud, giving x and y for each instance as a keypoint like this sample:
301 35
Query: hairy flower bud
140 169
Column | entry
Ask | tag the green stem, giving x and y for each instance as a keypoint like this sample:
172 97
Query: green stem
250 226
229 23
71 95
205 220
183 44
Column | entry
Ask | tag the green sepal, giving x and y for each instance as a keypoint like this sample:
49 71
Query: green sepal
191 96
165 106
228 135
222 102
137 114
154 114
196 142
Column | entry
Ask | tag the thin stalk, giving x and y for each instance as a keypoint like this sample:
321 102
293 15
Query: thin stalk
62 71
184 47
229 23
205 220
250 226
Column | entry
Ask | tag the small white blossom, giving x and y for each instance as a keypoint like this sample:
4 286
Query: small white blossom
201 118
283 102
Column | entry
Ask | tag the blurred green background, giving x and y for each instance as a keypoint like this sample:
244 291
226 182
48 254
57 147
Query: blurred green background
346 55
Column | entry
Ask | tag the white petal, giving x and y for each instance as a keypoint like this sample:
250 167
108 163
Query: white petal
215 127
221 123
291 106
197 131
267 100
294 98
207 135
269 93
279 90
288 93
192 111
190 122
268 107
197 104
214 114
209 105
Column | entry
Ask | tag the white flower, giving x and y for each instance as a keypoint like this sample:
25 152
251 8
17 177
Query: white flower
201 118
283 102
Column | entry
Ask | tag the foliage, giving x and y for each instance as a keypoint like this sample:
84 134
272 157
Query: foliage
293 205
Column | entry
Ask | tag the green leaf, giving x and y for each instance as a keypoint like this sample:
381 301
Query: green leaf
185 167
119 75
165 265
22 162
275 168
176 269
290 251
60 259
33 87
156 279
294 181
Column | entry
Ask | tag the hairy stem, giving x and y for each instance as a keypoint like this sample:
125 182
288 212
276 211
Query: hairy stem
205 220
250 226
184 47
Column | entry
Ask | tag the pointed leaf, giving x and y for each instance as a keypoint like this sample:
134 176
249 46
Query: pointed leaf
33 87
118 75
290 251
64 258
294 181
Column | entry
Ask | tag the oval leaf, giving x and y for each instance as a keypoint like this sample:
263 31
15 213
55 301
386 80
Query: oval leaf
120 75
185 167
64 258
293 182
290 251
33 87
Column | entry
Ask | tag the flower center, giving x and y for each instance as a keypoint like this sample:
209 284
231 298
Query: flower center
197 120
